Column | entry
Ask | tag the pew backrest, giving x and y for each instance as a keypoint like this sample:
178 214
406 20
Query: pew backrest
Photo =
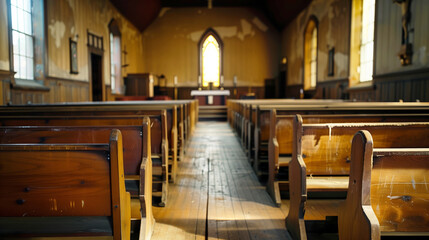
64 189
325 147
388 190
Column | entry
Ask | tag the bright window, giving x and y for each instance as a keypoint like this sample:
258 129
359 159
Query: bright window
211 61
310 54
22 39
367 41
115 63
313 69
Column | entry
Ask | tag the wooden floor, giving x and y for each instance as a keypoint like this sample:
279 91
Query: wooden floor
218 196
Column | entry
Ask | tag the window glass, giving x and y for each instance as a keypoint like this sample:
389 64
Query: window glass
211 61
22 39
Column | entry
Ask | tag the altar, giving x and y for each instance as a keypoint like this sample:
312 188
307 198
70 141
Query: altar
210 97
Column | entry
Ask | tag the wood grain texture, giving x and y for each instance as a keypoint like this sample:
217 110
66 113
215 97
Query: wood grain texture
356 220
65 180
399 190
158 126
327 140
327 154
216 186
298 190
391 195
50 182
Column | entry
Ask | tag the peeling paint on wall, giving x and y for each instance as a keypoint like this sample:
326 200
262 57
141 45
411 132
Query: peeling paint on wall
246 27
194 36
340 67
57 30
259 24
423 55
226 31
71 5
249 53
163 11
333 25
4 65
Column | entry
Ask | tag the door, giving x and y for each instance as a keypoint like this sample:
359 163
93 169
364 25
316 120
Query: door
96 77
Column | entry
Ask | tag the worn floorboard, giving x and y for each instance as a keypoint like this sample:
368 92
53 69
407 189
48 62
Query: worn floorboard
218 196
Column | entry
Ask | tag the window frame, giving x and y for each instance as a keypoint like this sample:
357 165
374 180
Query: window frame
355 44
11 49
116 87
311 26
367 43
203 38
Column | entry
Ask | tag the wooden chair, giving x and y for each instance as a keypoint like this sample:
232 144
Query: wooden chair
321 159
64 190
388 191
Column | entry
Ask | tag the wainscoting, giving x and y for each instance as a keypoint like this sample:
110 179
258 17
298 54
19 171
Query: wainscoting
54 90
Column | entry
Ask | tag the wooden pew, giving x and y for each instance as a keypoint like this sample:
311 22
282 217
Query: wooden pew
245 112
388 191
114 108
159 142
64 190
136 151
281 139
262 123
321 158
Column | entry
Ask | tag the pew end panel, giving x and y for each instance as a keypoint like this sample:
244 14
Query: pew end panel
136 152
356 220
295 223
389 192
325 149
145 187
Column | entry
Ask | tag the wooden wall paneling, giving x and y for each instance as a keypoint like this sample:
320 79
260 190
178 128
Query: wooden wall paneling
332 89
408 86
293 91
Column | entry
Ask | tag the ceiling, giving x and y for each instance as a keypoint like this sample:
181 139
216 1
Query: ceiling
143 12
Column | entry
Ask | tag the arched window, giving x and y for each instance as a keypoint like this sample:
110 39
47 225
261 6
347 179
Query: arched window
310 54
210 48
116 82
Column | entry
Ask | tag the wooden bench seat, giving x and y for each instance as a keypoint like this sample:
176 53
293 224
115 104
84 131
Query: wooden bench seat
159 140
136 157
324 150
281 139
262 119
327 183
64 190
388 192
174 123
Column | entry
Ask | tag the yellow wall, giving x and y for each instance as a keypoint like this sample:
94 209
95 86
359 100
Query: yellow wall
389 35
4 37
333 31
67 19
251 44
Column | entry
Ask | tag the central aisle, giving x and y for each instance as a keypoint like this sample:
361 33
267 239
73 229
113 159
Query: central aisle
217 194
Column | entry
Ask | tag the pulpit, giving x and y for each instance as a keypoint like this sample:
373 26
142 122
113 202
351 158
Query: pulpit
210 97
